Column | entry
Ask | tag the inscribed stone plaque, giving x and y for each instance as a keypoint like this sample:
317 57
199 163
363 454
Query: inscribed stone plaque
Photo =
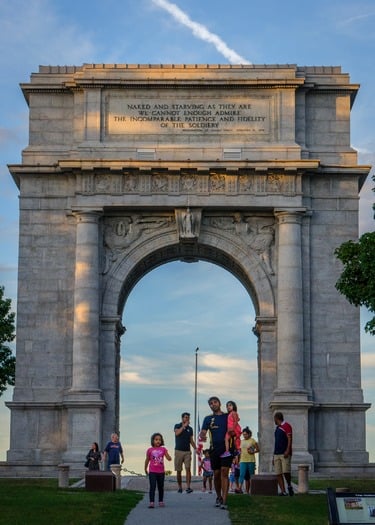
142 113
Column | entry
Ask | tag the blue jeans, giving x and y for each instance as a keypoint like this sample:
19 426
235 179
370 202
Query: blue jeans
246 467
156 479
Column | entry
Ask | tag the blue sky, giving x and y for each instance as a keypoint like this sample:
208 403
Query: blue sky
178 306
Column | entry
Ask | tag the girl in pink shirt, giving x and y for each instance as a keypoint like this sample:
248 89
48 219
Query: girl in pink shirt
234 431
154 467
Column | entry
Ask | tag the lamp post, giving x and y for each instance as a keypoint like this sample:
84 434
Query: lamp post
195 408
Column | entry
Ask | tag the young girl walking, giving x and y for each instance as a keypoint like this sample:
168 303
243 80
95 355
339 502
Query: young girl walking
154 467
233 431
207 471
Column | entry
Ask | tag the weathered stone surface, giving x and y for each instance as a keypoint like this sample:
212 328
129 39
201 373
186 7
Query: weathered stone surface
263 155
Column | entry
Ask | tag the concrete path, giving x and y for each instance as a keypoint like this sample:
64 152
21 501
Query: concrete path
197 507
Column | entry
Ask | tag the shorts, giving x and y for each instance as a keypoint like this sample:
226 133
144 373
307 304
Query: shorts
207 473
182 457
282 465
217 462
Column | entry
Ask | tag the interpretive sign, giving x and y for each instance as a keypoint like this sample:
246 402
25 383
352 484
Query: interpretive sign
354 508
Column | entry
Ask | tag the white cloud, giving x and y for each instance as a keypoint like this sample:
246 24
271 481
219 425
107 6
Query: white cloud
357 18
201 31
368 361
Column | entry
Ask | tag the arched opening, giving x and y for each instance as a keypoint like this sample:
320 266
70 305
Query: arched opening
170 312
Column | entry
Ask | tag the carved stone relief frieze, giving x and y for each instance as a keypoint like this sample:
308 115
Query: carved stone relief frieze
164 182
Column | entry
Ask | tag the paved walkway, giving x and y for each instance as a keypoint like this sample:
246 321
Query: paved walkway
197 507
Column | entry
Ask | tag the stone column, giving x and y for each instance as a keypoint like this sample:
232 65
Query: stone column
290 362
83 401
86 304
291 395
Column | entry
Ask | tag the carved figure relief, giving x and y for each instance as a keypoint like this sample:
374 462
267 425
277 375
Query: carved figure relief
240 226
188 223
258 233
160 183
274 183
188 182
260 238
120 232
217 182
103 183
130 182
245 184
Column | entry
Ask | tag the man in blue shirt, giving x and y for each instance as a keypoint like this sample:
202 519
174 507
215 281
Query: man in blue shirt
182 453
113 451
216 426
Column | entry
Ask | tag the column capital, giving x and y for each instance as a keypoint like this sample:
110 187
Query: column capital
290 215
87 215
264 324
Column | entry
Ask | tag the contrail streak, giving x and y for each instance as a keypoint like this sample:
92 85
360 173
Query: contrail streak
200 31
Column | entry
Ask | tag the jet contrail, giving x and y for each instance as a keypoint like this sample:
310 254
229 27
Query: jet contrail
200 31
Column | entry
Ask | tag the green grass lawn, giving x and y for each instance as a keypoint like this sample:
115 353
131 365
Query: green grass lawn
309 509
41 502
267 510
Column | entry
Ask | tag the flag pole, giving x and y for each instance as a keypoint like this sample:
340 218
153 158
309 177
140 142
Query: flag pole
195 408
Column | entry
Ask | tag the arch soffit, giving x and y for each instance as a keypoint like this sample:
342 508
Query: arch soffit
164 247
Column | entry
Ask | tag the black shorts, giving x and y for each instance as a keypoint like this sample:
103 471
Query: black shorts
217 462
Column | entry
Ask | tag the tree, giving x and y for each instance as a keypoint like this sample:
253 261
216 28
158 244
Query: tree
357 281
7 334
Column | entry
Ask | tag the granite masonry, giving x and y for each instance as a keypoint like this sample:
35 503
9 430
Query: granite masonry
132 166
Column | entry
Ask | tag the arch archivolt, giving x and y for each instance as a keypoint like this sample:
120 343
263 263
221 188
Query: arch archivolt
135 243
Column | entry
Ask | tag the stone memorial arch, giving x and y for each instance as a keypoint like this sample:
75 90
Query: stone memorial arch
131 166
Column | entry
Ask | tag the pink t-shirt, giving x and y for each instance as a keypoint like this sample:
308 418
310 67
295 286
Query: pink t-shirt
156 457
233 419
